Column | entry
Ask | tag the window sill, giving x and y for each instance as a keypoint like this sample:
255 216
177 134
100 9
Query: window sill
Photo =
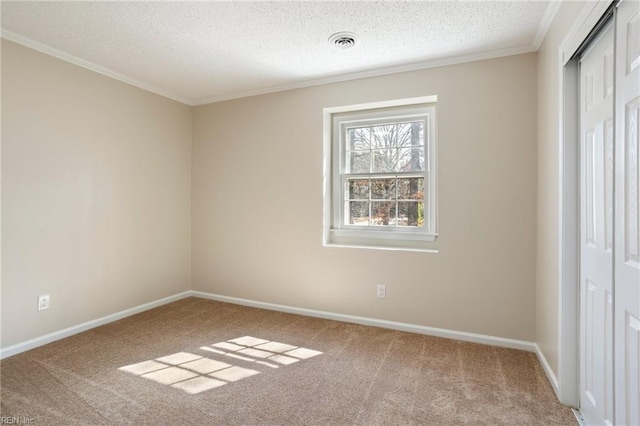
383 235
398 241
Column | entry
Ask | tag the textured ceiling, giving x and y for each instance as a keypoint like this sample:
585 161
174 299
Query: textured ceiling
199 52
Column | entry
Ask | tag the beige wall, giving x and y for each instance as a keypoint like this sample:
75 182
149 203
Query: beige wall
547 283
100 194
257 203
95 194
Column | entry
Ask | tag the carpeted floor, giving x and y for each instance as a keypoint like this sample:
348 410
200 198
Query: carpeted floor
199 362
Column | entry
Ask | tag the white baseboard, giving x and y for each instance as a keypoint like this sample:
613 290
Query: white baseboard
412 328
57 335
547 369
393 325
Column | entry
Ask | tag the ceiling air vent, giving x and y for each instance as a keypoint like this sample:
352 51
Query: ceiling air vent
343 40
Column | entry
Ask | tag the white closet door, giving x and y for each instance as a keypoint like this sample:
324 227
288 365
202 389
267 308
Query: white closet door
597 240
627 246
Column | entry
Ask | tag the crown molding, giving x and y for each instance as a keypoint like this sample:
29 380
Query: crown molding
338 78
415 66
32 44
545 24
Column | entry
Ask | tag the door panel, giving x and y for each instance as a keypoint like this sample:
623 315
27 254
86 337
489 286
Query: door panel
627 215
596 241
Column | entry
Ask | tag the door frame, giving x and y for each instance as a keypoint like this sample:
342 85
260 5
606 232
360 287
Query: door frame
567 383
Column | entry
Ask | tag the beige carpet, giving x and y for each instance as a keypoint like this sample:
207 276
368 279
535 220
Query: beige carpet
200 362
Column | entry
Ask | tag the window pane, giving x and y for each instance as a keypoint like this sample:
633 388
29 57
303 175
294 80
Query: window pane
411 188
358 213
383 189
383 213
411 213
410 159
417 133
358 189
383 136
384 160
359 138
358 162
403 137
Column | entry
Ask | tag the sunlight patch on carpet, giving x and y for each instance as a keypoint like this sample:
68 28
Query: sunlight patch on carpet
199 384
194 374
169 376
233 374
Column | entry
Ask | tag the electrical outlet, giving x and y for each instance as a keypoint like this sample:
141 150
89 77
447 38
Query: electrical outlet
381 291
43 302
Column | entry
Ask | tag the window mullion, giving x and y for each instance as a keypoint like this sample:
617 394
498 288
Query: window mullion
396 199
369 199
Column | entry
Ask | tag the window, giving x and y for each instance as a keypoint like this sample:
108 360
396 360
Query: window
380 175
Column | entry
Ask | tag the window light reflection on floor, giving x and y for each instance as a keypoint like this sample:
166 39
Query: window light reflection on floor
193 373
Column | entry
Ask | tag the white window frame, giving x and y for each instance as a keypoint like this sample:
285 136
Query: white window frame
336 122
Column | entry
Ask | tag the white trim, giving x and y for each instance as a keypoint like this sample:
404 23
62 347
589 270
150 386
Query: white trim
32 44
380 104
545 24
568 236
342 122
390 234
393 325
547 368
417 66
589 16
70 331
568 192
387 247
373 322
334 121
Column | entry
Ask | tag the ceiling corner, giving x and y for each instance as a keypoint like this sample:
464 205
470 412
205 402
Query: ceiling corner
42 48
546 22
